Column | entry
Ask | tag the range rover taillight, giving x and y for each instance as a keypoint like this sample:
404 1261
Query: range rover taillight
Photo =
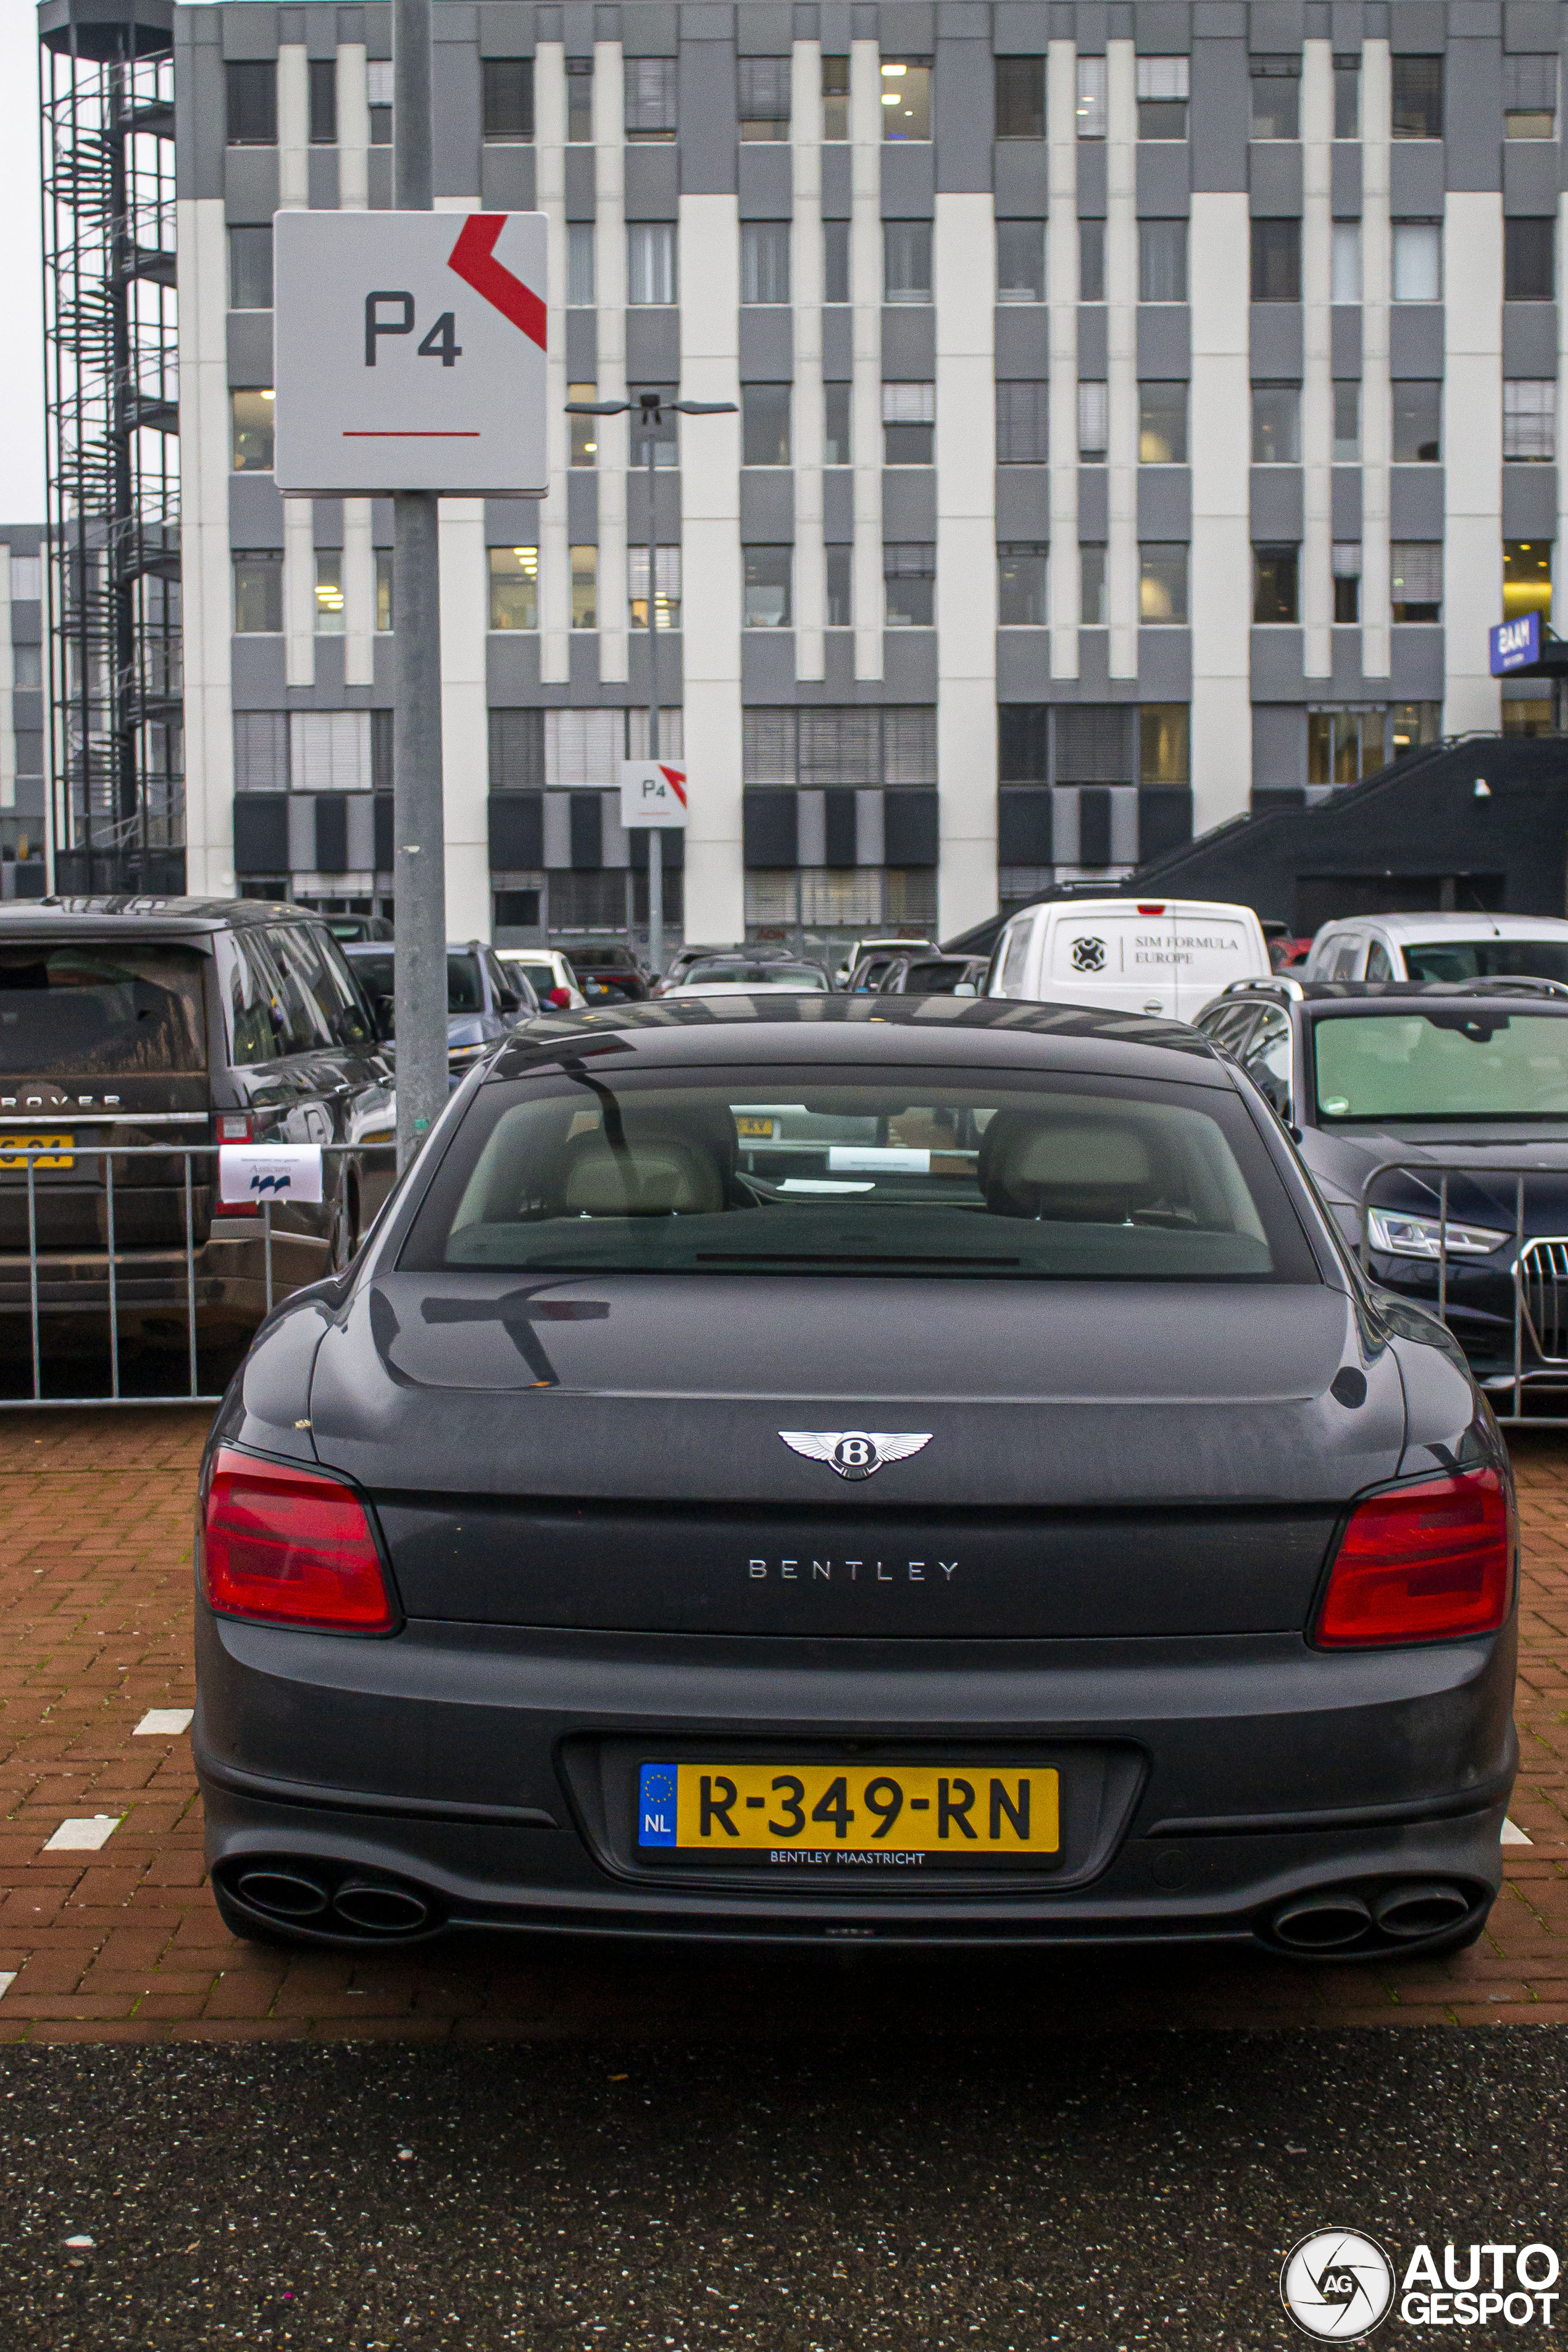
1428 1562
291 1547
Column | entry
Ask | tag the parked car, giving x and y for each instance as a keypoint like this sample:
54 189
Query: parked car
484 997
1438 1079
935 976
1444 947
1288 952
858 950
746 971
1170 956
933 1483
868 974
132 1022
547 972
682 961
345 928
611 975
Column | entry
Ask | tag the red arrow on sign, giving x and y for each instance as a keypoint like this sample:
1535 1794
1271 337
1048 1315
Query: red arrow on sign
675 779
474 259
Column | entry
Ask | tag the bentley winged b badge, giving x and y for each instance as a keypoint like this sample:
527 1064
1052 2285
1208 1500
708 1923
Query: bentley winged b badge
856 1452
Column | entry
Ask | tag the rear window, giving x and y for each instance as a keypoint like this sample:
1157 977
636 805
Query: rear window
816 1171
1460 960
464 993
85 1010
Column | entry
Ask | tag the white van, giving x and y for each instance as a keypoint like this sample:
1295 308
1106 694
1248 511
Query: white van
1170 956
1452 947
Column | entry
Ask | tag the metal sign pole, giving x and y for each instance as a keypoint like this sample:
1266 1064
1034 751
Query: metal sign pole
419 870
651 420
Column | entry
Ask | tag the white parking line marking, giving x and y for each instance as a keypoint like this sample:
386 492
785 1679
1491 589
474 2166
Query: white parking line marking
7 1978
166 1721
84 1836
1513 1835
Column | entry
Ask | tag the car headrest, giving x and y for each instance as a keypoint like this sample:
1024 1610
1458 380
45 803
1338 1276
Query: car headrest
1076 1153
646 1177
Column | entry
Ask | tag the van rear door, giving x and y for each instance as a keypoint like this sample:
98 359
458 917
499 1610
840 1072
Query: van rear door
1096 955
1209 948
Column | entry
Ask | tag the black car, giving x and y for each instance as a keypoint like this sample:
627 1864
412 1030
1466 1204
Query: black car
611 975
1466 1081
906 1473
938 975
136 1022
484 998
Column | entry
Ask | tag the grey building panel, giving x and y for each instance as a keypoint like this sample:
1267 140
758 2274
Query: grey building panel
1416 189
700 20
1164 185
909 344
27 623
1344 502
198 116
766 181
26 705
838 345
1164 340
1022 502
834 25
1416 502
1475 20
582 664
582 192
1347 678
556 827
1275 27
249 184
1416 339
256 673
708 119
1165 665
1092 178
381 522
1220 20
838 185
1023 350
1472 113
375 20
1348 22
322 179
1276 341
764 29
1532 176
250 347
1530 25
1530 339
1094 505
964 107
1416 666
1218 114
1162 28
767 344
583 509
906 28
1276 504
455 116
1279 744
506 29
653 346
1530 502
767 665
512 669
1274 179
653 182
767 506
327 522
908 183
249 32
1021 171
578 28
300 814
582 347
838 507
909 665
672 671
1092 26
648 29
1164 502
1093 342
1093 681
1416 28
1276 665
1023 664
378 176
457 21
511 522
1344 339
908 503
1344 179
1019 30
329 692
506 178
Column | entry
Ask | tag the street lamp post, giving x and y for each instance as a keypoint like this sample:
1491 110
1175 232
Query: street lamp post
652 412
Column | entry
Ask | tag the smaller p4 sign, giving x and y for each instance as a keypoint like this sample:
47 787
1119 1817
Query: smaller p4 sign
652 792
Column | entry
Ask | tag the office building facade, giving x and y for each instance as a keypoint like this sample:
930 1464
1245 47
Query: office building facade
24 764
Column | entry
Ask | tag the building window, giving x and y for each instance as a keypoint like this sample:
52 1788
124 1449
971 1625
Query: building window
583 432
1346 563
1093 420
1093 610
384 608
257 591
1526 578
836 414
908 571
584 587
906 98
1163 261
1344 267
1020 97
250 269
906 261
908 423
650 264
767 571
1021 586
378 91
1164 737
664 434
1528 260
1020 261
262 750
1414 725
508 99
321 102
834 98
514 587
580 270
332 750
1276 260
1343 746
1529 418
1415 582
252 95
1347 99
1529 98
834 745
666 588
1417 426
1091 262
328 591
1347 421
579 102
1532 717
1274 588
764 261
1161 98
840 562
27 667
836 261
765 424
1276 99
1091 97
1418 260
1023 422
1162 582
1162 423
650 97
1276 423
251 414
1418 110
762 96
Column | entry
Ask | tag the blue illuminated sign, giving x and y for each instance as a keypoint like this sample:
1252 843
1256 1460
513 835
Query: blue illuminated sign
1515 644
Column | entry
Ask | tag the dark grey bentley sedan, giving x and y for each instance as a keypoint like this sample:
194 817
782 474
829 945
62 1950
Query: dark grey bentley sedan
924 1472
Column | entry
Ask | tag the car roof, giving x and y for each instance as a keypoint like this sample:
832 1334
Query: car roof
1455 924
129 916
1100 909
387 947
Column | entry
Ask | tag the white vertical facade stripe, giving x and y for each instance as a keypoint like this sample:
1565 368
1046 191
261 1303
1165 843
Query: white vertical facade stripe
710 257
358 593
1221 559
464 724
354 130
1122 345
610 275
299 592
1063 586
207 566
1317 372
866 402
8 681
1472 456
963 259
550 165
1376 272
293 126
810 558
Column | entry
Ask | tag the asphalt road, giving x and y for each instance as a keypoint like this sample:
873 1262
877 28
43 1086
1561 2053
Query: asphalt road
1109 2190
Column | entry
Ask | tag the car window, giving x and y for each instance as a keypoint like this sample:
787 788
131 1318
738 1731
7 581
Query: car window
1449 1064
1016 957
1347 955
1379 965
302 990
255 1009
100 1009
1462 960
1039 1176
465 992
1266 1059
1229 1024
345 1010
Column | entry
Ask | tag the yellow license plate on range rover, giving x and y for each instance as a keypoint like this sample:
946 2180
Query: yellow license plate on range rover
781 1810
51 1151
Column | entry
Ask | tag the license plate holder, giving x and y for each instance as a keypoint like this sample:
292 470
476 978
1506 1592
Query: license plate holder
868 1817
52 1152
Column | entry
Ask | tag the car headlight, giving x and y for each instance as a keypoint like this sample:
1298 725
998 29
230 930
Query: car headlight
1401 1236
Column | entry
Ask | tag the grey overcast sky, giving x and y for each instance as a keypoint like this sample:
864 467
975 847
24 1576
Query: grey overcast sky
21 301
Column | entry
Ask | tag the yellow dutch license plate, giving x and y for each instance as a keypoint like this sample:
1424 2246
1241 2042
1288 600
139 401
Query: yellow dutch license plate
52 1150
949 1810
753 1129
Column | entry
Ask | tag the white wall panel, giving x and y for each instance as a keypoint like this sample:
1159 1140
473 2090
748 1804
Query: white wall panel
465 746
206 565
610 269
550 166
1472 455
866 403
1316 385
1376 269
1061 284
1221 563
710 491
1121 333
810 559
964 247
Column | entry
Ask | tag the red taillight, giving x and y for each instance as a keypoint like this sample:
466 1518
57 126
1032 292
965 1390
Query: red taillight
1151 910
1425 1563
292 1547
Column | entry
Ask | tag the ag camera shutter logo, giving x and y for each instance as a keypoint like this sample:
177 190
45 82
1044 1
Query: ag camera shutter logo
1337 2285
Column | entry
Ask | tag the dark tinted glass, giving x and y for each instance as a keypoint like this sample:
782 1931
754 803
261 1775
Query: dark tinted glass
252 93
1020 97
103 1011
509 98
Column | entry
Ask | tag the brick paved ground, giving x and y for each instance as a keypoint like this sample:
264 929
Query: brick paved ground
124 1944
